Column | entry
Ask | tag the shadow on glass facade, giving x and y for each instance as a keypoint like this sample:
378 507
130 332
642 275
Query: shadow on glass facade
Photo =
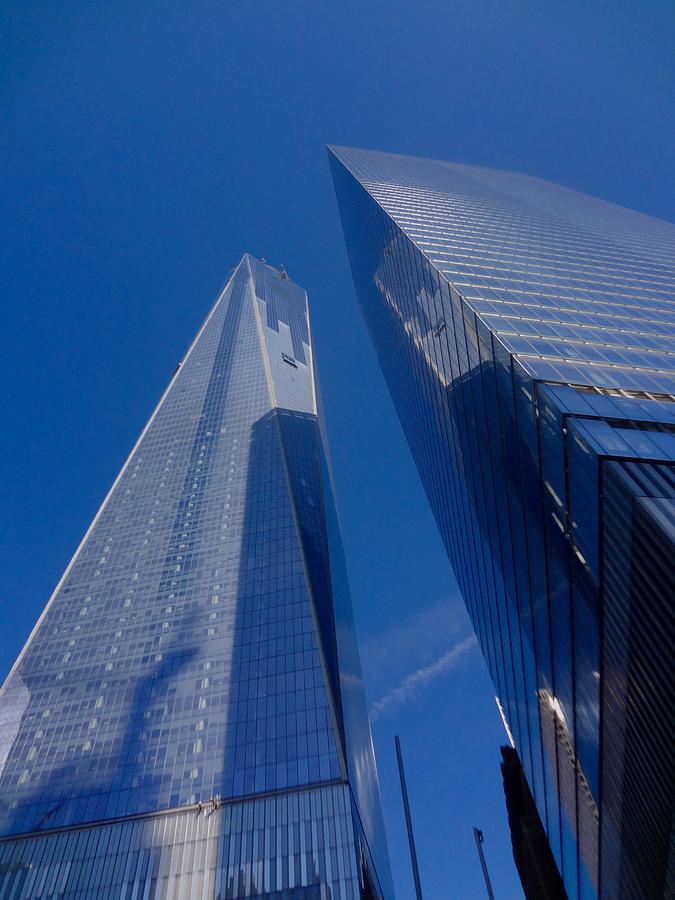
188 717
526 335
537 869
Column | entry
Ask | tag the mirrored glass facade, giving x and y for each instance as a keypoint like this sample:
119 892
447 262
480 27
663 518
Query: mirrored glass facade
188 718
527 335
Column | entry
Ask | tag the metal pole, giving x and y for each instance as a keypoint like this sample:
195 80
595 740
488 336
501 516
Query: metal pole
478 835
408 820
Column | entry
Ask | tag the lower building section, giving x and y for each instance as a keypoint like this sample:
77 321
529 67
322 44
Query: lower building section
296 846
638 829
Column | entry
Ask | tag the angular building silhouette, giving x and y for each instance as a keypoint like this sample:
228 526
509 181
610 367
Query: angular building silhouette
188 718
527 335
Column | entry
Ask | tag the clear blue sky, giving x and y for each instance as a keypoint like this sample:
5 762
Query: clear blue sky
146 145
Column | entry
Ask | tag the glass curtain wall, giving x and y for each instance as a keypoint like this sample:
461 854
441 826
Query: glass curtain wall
527 336
176 724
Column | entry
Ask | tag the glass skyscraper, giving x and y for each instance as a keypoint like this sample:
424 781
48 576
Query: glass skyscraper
187 719
527 335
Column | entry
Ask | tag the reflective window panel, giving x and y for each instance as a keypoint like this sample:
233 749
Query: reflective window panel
527 335
195 649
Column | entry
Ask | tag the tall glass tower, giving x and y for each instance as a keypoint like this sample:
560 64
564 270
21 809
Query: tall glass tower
527 335
187 719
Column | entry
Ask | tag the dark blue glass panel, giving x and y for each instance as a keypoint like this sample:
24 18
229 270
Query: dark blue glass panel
526 335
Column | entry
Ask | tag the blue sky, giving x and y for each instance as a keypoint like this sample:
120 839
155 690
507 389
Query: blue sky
145 146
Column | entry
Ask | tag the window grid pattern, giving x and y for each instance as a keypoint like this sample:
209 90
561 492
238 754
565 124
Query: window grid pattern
289 847
579 290
189 653
511 462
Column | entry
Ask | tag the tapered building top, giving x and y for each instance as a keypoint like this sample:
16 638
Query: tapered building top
195 677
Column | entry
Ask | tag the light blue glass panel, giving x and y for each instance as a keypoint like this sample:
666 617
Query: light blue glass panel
189 655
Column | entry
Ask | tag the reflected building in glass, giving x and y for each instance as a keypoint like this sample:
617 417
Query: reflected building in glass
188 718
527 335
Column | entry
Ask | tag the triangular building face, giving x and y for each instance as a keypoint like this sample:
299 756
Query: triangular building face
175 725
